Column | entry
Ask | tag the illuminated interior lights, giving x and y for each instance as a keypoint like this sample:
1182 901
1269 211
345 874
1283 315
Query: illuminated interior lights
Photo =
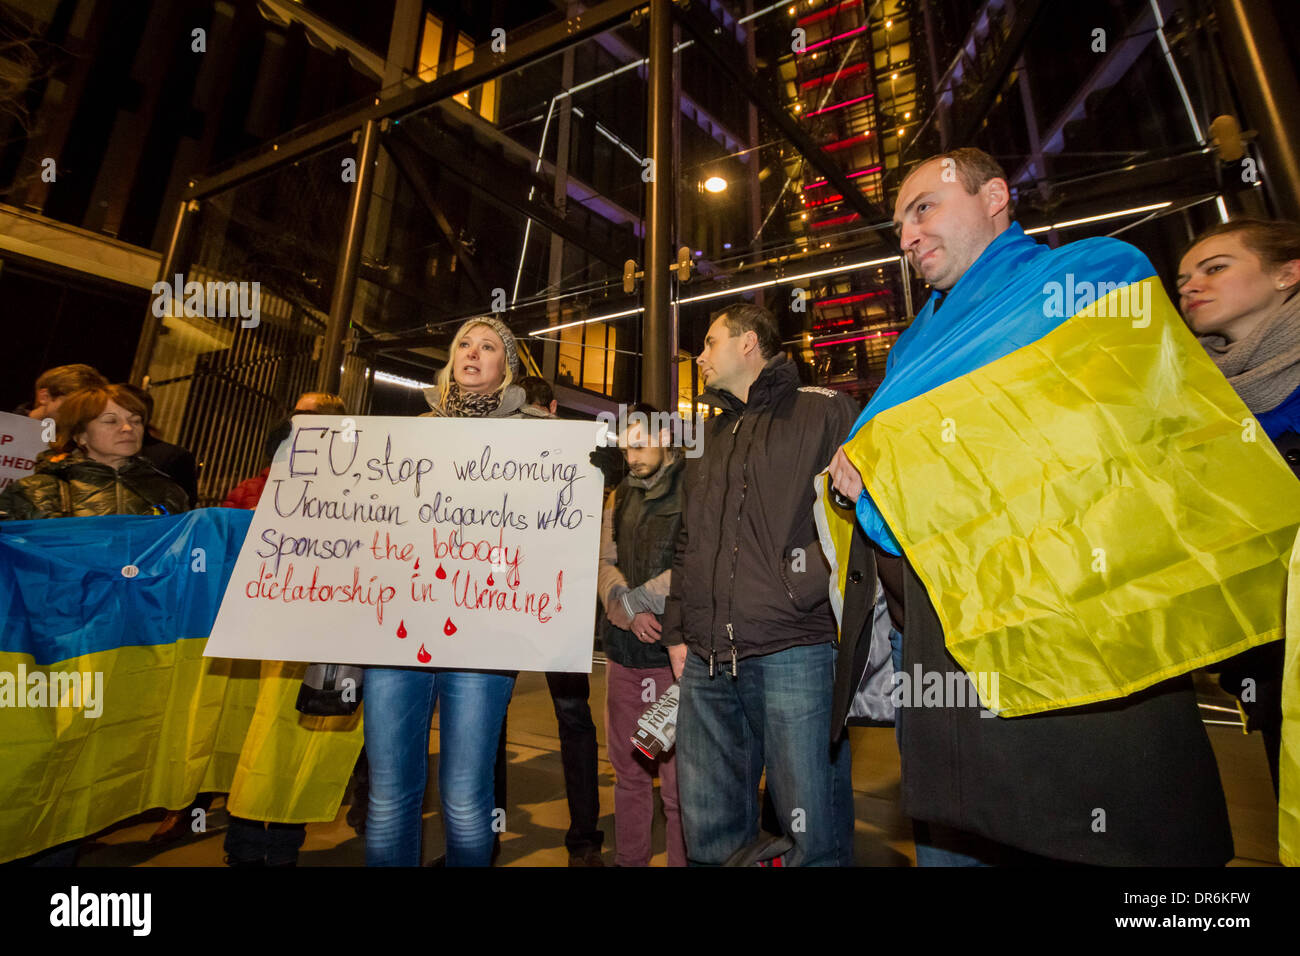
842 36
784 280
828 77
828 12
835 221
845 143
400 380
1104 216
849 299
856 338
853 175
839 106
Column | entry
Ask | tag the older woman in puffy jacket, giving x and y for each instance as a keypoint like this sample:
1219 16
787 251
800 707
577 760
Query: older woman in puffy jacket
95 467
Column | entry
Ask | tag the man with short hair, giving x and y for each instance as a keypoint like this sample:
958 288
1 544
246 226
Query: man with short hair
55 384
748 624
642 518
995 543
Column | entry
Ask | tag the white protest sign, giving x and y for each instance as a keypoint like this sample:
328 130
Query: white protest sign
444 542
20 443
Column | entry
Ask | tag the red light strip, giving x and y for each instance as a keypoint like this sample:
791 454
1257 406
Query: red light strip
847 299
859 338
822 15
842 36
827 109
827 77
836 221
845 143
854 175
823 202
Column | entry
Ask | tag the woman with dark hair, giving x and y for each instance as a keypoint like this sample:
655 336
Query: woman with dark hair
1237 288
95 467
477 382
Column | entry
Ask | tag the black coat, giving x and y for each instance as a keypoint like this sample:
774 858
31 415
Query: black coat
1131 782
749 555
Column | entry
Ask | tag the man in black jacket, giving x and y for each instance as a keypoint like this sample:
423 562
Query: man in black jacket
748 623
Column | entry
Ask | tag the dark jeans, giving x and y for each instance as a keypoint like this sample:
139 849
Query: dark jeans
250 841
775 713
569 694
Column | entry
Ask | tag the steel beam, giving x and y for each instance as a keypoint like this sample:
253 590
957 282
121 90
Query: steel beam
345 282
487 66
657 347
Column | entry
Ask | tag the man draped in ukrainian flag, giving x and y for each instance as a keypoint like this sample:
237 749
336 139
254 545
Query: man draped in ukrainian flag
1066 501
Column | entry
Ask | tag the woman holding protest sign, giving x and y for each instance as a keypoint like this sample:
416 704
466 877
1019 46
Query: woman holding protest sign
477 382
1237 287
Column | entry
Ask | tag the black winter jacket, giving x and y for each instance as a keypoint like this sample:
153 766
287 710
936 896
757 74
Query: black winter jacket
1129 782
646 526
74 486
749 573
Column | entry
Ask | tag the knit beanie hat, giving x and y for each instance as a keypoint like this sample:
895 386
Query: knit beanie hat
507 339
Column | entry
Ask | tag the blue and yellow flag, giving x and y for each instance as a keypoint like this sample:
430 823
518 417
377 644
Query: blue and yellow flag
107 705
1288 822
1089 505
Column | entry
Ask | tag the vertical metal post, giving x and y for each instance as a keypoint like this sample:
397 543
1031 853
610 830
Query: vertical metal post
945 117
345 280
657 349
152 323
1266 81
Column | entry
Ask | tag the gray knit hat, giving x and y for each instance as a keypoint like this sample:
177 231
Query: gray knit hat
507 338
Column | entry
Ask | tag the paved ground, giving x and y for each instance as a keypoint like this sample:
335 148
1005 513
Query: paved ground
537 814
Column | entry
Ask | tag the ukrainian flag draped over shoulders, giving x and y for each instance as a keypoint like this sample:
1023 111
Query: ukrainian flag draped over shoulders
1089 505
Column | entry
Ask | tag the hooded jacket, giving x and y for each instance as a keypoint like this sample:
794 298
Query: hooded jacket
70 485
748 573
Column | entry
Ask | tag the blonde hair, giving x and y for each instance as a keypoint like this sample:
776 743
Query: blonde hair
445 376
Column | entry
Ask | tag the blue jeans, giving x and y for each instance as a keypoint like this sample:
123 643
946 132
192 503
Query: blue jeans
398 706
778 711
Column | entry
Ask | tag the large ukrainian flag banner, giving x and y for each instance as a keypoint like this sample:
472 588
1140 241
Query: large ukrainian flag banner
1088 503
125 604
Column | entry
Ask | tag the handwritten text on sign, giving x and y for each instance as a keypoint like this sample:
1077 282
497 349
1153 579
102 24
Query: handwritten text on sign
468 543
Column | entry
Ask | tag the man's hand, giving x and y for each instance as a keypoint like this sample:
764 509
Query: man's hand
677 658
646 627
845 477
617 615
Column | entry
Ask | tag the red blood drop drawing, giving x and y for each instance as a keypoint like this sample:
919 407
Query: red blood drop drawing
440 574
490 581
417 564
424 656
449 628
401 629
559 586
